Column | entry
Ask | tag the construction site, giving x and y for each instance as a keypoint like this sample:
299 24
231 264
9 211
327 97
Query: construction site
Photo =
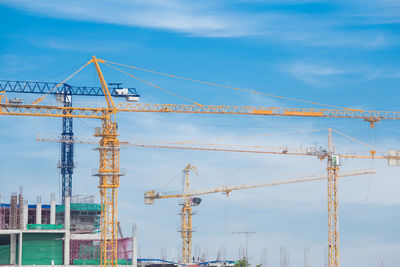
43 230
79 231
174 134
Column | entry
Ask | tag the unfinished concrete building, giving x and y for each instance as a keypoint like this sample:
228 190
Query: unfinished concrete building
50 234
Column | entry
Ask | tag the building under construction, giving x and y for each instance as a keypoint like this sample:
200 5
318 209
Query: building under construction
50 234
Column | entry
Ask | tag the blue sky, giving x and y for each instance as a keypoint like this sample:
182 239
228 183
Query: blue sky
340 53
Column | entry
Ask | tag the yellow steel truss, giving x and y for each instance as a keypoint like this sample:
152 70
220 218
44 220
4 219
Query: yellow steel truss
333 204
97 112
333 214
109 174
186 217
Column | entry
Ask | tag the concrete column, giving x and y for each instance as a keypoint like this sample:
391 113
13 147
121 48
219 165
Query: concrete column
67 226
39 210
20 249
25 217
13 248
13 211
134 246
52 209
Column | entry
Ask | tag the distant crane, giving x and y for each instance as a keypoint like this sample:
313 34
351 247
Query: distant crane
64 93
188 200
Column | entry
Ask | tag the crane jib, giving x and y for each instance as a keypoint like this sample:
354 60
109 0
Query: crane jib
370 116
96 112
31 87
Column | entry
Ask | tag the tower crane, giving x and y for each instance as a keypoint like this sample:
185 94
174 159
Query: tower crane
64 93
109 171
333 163
189 200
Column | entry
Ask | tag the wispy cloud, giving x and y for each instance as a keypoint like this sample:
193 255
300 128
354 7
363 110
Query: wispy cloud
374 12
328 74
311 73
193 18
221 19
81 44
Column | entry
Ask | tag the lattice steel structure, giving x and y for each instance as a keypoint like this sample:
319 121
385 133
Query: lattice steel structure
186 217
333 205
109 174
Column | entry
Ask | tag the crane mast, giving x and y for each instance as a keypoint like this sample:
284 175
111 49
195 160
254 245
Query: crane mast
66 164
109 174
333 204
186 217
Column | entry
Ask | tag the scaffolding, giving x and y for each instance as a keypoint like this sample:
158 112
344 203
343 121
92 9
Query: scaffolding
10 215
4 216
85 251
13 219
85 217
82 199
32 214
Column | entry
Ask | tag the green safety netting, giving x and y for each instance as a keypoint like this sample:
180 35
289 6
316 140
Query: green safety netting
5 254
97 262
44 226
80 207
42 249
89 252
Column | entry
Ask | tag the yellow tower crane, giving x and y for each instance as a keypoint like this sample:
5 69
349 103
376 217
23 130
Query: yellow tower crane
333 163
186 217
109 172
109 169
188 201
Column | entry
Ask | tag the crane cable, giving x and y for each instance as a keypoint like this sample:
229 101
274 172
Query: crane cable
252 135
230 87
355 140
40 99
156 86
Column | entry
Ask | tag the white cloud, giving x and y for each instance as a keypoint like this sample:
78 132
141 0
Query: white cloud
81 44
316 73
311 73
218 19
194 19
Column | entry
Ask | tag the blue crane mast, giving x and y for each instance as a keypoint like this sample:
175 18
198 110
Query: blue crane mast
64 95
